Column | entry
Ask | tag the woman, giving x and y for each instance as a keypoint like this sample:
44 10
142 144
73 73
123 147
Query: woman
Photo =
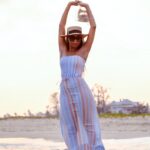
78 115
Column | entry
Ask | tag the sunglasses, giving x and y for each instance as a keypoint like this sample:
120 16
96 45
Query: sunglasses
73 38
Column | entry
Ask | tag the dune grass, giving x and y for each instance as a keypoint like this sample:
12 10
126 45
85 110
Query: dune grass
103 115
115 115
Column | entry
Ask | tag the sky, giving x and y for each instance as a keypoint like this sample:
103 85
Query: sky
29 55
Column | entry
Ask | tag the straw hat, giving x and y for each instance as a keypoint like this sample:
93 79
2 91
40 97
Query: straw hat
74 30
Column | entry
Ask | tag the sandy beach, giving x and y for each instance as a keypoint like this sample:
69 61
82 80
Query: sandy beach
41 144
44 134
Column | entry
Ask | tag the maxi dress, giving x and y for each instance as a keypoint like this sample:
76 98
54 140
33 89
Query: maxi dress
79 122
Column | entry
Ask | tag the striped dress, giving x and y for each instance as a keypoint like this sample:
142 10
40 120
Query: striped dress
78 115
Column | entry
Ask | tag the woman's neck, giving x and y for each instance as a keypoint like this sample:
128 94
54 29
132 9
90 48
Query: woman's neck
72 50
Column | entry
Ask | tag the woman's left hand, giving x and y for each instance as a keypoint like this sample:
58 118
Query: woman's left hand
82 4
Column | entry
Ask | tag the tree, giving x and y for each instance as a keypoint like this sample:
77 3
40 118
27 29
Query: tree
101 96
7 115
15 114
54 104
47 113
30 114
140 108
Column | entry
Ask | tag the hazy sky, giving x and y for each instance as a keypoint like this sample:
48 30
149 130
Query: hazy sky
29 58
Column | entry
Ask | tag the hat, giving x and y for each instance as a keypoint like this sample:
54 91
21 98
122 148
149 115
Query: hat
74 30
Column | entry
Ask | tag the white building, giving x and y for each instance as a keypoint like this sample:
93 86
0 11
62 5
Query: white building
123 106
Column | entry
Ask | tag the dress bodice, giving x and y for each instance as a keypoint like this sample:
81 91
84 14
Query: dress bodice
71 66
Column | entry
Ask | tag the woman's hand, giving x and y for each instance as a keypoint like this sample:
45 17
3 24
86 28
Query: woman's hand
82 4
73 3
77 3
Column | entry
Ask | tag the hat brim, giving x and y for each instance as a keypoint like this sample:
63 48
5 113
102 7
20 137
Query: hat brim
82 35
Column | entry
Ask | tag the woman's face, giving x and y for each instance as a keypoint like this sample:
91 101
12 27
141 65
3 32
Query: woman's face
74 41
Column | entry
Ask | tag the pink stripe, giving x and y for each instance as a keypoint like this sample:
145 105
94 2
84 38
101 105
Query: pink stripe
91 134
91 121
84 108
74 116
92 127
68 98
83 103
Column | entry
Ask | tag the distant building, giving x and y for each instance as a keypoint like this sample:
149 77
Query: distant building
123 106
40 114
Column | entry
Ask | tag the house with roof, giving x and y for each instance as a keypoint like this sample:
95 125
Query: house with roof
125 106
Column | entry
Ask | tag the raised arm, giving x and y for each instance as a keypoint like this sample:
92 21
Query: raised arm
92 29
62 45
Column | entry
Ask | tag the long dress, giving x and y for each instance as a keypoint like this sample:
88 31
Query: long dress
78 115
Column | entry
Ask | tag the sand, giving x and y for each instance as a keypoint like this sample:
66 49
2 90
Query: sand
44 134
41 144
